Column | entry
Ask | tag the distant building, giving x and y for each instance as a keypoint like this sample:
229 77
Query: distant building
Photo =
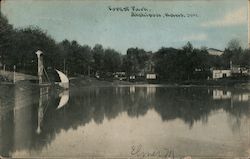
132 77
120 75
239 70
150 70
235 71
221 73
151 76
215 52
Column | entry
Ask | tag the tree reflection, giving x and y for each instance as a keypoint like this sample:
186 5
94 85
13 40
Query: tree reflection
190 104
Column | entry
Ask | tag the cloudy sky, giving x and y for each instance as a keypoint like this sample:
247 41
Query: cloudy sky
213 22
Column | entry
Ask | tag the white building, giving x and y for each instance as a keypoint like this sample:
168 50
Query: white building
221 73
151 76
215 52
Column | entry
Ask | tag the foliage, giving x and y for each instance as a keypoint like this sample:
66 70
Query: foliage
18 47
135 60
6 34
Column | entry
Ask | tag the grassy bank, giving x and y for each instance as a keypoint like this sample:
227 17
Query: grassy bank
219 82
86 81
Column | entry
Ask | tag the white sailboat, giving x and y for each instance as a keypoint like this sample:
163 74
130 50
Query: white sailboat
64 80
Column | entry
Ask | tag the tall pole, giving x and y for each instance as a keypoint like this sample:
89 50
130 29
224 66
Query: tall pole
0 6
88 70
39 66
14 74
248 11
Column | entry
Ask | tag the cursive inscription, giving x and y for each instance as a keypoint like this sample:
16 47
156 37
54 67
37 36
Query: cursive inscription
128 9
137 151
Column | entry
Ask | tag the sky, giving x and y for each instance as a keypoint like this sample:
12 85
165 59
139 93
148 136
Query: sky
210 23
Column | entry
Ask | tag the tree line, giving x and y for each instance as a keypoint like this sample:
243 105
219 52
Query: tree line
18 47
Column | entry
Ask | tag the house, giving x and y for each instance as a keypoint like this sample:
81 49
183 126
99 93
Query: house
221 73
239 70
151 76
234 71
214 52
132 77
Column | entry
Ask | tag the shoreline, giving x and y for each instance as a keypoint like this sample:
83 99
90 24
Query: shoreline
93 82
86 81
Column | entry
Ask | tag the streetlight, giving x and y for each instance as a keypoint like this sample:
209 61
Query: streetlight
40 66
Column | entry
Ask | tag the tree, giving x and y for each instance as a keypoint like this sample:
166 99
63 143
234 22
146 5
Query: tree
182 64
6 40
27 41
135 60
245 58
233 53
98 56
78 57
234 44
188 48
169 64
112 61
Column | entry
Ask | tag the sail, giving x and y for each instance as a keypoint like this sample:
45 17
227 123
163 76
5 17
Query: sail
64 80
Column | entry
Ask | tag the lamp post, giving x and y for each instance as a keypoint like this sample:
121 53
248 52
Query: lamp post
39 66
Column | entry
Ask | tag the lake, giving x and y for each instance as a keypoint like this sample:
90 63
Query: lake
140 121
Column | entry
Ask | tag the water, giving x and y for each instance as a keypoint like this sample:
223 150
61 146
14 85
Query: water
126 121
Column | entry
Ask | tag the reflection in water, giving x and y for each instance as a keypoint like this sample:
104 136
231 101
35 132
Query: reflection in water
23 122
64 98
221 94
226 94
151 90
37 121
244 97
43 104
132 89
